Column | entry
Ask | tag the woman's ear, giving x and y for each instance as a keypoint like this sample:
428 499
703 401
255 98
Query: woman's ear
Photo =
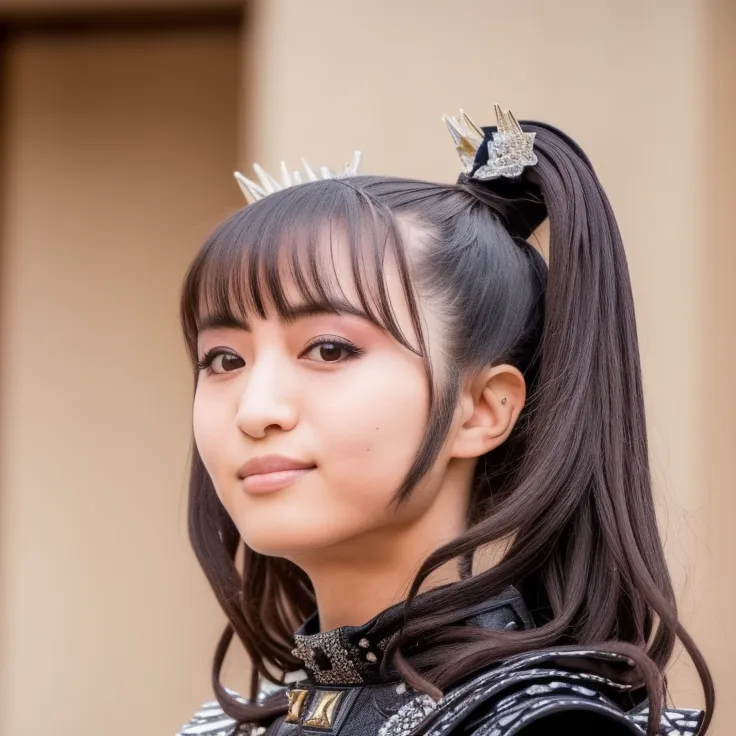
489 407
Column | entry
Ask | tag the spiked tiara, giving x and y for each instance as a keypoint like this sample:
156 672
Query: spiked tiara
253 192
510 151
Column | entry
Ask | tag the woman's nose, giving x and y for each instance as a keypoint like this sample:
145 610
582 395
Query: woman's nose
264 401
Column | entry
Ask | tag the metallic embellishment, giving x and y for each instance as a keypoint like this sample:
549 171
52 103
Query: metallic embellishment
468 138
510 149
323 714
674 721
503 400
371 657
408 717
296 702
343 658
364 643
268 184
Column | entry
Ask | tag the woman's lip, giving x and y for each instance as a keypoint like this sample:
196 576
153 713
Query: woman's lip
266 482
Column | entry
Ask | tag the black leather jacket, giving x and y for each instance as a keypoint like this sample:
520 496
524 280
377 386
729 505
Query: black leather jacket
546 693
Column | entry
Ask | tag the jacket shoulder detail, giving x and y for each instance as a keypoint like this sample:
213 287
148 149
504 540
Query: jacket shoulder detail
561 704
537 689
211 720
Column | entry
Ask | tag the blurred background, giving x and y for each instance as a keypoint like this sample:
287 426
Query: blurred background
122 122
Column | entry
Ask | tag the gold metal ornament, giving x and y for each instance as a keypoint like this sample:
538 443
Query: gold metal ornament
323 715
296 703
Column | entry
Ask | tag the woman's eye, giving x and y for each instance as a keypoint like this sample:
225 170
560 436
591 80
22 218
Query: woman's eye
333 351
220 361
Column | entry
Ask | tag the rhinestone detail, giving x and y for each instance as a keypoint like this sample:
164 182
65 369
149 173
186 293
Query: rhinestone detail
343 657
408 717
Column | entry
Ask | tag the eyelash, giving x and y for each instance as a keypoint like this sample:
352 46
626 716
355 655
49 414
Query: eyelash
205 364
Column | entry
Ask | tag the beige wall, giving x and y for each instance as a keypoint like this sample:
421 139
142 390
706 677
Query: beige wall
718 392
118 161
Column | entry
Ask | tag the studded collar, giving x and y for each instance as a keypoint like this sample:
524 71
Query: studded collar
352 655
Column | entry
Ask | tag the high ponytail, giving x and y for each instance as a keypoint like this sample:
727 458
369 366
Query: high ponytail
587 430
590 335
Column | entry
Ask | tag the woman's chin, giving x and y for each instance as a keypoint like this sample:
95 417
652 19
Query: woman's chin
294 543
287 545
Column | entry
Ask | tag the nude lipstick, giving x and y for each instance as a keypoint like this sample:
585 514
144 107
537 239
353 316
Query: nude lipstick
271 472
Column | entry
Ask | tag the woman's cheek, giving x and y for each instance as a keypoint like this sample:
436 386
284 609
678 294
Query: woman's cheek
374 450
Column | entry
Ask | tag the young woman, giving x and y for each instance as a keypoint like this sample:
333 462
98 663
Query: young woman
420 485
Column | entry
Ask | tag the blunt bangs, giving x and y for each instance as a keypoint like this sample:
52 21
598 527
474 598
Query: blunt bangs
290 242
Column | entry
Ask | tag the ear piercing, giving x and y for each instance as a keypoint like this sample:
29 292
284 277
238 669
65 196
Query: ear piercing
503 400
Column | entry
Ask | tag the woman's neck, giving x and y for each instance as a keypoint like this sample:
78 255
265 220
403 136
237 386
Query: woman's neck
361 578
358 579
344 599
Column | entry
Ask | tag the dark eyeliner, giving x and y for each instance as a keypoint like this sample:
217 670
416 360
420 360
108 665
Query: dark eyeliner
209 356
353 350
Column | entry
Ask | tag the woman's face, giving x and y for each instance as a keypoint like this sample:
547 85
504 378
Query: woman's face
333 392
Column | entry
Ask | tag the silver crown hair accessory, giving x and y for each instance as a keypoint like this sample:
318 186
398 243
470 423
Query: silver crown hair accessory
253 192
510 150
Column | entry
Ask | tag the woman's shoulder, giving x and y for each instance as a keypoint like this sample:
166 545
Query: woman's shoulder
211 720
208 720
537 694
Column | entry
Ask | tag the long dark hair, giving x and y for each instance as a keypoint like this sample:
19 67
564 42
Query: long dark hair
570 490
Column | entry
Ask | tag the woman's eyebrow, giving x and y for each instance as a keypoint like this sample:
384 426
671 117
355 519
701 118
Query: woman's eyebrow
313 309
292 314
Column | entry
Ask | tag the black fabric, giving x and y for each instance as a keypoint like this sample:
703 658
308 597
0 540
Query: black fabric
578 723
